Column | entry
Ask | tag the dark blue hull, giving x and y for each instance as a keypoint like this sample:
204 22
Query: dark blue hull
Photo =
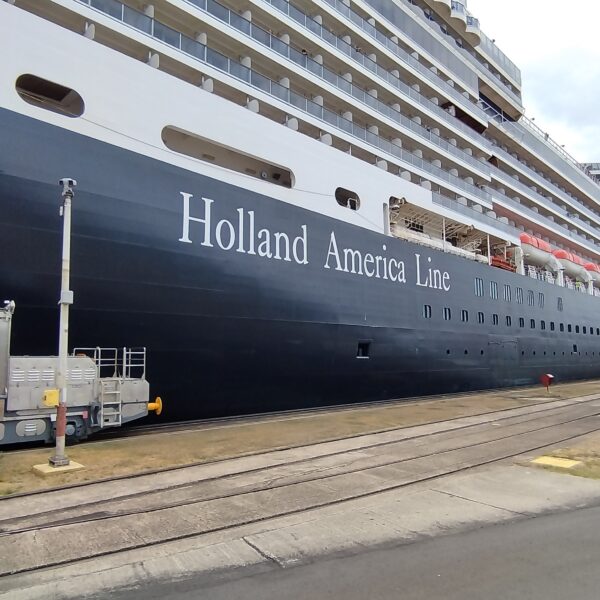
229 331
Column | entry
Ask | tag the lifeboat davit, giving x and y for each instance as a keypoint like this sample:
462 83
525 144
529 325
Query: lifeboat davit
594 270
573 265
537 252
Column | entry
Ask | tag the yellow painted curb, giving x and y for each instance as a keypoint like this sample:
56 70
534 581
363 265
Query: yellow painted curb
553 461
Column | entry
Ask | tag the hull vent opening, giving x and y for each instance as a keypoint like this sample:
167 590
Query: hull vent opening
49 95
194 146
363 350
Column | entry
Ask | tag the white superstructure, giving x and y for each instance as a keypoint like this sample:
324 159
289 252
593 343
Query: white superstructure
398 116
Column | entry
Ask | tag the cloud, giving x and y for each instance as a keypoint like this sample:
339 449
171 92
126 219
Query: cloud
558 53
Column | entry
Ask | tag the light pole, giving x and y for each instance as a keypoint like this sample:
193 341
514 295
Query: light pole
59 459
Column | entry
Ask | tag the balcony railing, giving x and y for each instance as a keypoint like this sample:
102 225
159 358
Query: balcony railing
547 148
545 222
506 179
404 56
475 62
555 190
303 60
474 215
192 48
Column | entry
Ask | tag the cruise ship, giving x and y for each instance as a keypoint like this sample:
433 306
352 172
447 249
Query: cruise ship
291 203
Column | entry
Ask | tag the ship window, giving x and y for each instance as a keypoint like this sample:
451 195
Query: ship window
530 298
347 199
414 225
561 327
559 303
427 311
363 350
576 328
493 290
551 325
584 329
194 146
521 322
532 323
541 300
597 330
464 316
508 321
495 319
574 347
569 328
591 331
519 295
447 314
478 286
49 95
507 293
542 325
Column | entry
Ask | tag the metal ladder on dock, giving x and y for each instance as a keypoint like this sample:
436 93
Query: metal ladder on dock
110 402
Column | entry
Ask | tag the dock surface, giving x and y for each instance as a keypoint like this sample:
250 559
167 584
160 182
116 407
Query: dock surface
282 490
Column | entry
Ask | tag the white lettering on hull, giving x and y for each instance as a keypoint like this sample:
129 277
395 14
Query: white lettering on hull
242 234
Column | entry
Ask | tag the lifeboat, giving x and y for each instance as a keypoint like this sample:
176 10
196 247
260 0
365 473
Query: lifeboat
573 265
593 269
537 252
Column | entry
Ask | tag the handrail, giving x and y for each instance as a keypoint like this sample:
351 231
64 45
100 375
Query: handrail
473 60
303 60
554 189
544 201
547 223
556 151
176 39
404 56
454 205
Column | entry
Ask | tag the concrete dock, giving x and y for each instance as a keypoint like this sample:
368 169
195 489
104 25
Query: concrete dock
282 491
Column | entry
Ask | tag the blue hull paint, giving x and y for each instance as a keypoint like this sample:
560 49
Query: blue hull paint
231 332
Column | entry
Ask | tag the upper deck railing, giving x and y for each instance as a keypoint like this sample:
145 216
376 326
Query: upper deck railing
193 48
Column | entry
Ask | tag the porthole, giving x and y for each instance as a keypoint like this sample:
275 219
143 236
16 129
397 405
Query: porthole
49 95
347 199
448 351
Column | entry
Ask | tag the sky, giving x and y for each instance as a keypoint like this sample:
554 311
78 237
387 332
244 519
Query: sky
556 44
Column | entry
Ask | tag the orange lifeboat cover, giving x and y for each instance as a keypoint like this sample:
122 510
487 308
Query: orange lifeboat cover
528 239
545 246
592 267
563 254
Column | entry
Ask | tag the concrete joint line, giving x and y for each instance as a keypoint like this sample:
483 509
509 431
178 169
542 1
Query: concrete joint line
514 512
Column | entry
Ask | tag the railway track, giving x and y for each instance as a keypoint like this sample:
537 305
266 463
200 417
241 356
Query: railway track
191 501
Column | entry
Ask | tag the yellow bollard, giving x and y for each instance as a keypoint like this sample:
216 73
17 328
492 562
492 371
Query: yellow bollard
156 406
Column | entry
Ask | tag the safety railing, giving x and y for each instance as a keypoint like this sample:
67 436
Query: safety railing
223 63
304 61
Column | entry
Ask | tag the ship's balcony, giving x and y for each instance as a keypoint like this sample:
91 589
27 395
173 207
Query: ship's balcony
538 220
415 161
502 89
540 145
363 60
458 10
412 62
552 188
354 92
506 180
368 102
